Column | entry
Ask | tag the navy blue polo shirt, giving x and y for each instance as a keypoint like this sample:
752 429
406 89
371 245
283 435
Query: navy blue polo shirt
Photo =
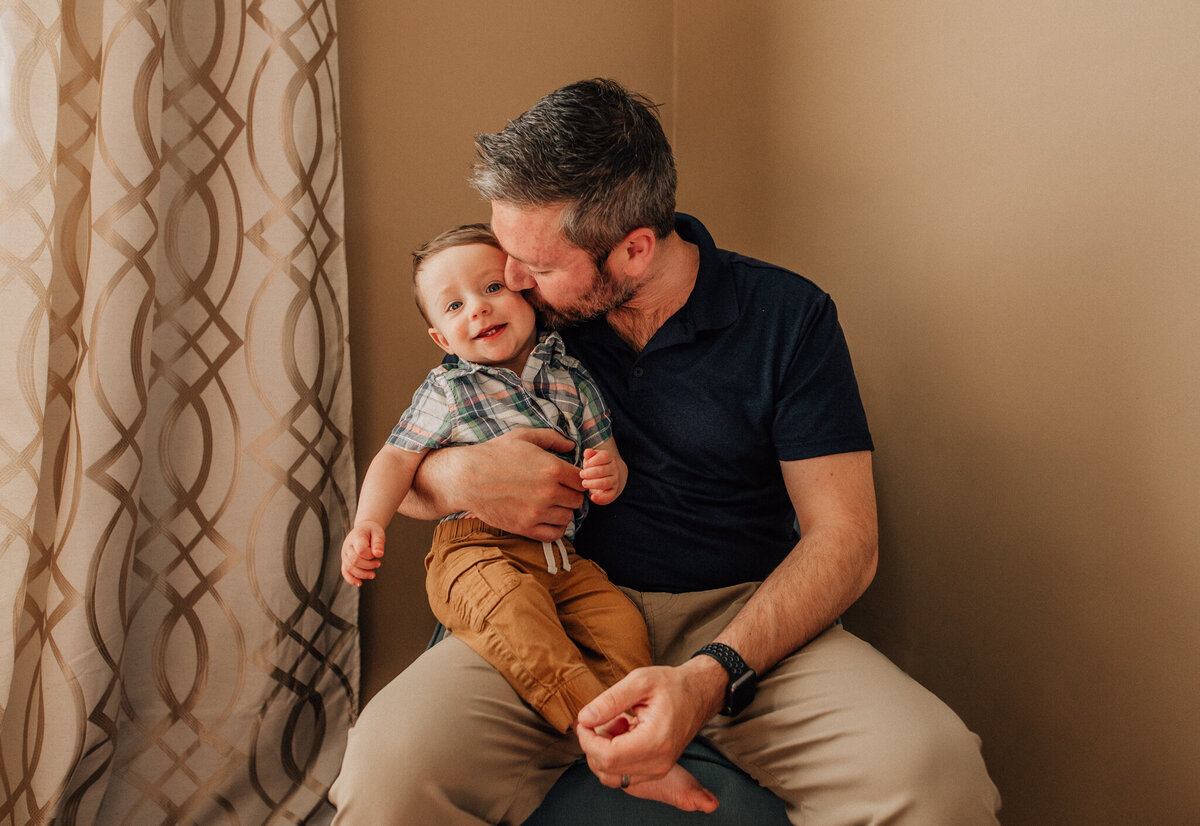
751 371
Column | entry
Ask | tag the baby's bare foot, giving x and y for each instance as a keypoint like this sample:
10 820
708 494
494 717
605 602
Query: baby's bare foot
678 788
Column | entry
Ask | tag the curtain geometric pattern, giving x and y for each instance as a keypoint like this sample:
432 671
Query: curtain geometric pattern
176 645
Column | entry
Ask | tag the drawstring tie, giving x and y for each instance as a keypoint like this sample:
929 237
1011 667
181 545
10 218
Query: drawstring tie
551 564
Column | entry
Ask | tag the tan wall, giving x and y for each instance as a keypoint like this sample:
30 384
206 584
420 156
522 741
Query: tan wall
1003 199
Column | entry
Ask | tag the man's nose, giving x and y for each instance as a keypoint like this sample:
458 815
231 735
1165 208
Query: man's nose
516 275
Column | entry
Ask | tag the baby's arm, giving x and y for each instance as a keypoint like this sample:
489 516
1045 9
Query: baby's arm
387 482
604 473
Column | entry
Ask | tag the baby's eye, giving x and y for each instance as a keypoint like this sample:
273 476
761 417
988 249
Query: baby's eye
494 287
453 305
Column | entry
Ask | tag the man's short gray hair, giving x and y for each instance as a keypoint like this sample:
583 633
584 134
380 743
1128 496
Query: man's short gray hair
594 147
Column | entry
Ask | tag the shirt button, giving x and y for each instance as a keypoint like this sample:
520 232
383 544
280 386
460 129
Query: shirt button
638 372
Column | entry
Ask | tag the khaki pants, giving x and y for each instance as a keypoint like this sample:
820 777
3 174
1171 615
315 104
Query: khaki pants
836 730
548 620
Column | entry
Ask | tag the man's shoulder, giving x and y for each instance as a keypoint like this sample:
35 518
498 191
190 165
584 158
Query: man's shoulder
743 267
771 295
757 273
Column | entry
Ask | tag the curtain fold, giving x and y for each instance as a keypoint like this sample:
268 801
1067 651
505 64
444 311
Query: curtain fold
176 644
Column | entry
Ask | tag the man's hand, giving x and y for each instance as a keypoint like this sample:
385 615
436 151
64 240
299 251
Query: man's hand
670 704
511 482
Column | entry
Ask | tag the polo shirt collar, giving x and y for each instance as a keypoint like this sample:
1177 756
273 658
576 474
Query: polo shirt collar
712 304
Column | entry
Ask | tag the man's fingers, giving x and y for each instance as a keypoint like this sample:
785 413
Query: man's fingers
616 781
560 472
545 531
545 438
610 759
625 695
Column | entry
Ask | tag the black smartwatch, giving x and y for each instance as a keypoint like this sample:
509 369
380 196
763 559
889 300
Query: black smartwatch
742 679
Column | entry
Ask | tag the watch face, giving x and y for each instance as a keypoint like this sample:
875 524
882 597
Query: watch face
740 693
742 679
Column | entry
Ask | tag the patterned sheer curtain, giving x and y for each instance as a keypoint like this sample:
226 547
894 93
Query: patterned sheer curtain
176 645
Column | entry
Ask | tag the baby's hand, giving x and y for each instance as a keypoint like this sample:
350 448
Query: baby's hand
603 475
361 552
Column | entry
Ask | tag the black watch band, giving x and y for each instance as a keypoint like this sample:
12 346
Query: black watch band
742 679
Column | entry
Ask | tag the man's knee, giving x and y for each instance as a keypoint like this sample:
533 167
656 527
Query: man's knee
937 774
446 741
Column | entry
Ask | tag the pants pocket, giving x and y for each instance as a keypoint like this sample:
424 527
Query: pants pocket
470 582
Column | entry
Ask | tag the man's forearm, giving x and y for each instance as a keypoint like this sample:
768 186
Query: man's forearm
821 576
512 482
812 587
826 572
433 486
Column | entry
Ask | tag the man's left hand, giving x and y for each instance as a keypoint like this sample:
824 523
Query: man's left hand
670 704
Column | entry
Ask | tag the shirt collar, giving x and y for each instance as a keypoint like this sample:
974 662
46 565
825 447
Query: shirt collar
712 304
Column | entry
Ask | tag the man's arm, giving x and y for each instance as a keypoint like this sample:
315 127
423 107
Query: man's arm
830 567
511 482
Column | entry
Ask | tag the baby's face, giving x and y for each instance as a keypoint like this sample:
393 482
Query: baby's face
474 315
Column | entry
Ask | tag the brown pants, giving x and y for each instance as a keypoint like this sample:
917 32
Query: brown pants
548 620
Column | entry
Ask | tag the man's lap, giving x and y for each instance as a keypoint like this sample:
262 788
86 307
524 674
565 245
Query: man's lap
844 736
836 716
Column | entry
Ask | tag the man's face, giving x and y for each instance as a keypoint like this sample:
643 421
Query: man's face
559 279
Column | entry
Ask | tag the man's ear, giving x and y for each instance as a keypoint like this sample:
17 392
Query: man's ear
633 255
440 340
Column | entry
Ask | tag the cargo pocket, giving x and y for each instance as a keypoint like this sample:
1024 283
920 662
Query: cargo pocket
472 583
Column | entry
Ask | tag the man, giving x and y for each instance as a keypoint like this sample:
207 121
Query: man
736 406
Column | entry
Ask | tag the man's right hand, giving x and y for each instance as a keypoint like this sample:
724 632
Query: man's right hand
512 482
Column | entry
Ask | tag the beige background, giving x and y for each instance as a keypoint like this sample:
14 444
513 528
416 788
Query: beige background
1004 199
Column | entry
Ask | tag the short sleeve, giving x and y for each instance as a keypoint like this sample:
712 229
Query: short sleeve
428 422
819 411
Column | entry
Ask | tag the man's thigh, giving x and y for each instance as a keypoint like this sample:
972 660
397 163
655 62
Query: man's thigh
448 741
843 735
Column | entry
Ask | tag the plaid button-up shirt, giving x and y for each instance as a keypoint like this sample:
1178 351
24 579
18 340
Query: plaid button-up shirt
462 403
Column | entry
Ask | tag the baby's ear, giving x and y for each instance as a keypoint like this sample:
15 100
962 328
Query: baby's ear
440 340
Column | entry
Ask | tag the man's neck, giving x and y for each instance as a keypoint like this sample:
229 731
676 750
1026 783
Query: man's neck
664 289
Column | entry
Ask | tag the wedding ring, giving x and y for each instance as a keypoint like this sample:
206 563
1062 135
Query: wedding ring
624 781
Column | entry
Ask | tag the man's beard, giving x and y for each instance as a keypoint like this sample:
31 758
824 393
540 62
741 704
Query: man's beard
605 295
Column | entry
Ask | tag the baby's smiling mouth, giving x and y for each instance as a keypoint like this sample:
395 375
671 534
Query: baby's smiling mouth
488 332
